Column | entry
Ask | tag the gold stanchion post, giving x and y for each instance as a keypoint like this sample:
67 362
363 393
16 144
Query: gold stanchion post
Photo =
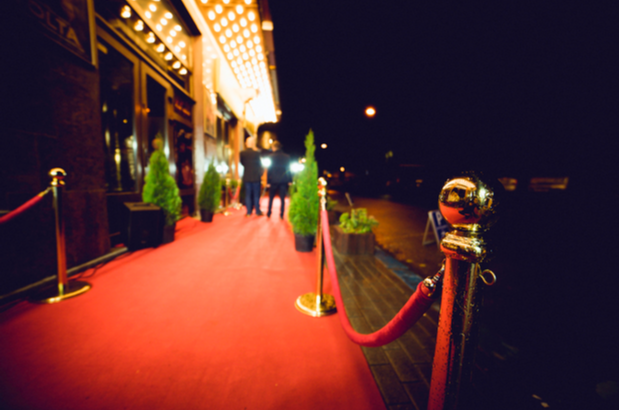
227 185
470 206
318 304
64 289
237 202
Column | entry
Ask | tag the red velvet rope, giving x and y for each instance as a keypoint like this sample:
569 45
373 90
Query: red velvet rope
233 198
236 193
413 310
23 208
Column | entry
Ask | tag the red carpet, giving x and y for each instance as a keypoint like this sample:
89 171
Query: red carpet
205 322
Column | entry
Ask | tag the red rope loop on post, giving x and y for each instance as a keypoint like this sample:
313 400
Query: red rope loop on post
413 310
24 207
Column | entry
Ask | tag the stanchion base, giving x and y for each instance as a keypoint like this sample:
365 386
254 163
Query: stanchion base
53 295
307 304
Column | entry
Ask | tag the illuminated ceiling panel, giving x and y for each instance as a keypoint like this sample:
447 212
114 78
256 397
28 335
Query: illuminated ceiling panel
236 26
162 30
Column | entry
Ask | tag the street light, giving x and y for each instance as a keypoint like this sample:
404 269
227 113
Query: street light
323 146
370 111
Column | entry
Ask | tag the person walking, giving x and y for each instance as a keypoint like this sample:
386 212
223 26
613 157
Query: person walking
252 173
278 176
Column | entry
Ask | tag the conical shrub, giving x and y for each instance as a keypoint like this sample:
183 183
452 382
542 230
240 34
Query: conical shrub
160 188
304 209
210 193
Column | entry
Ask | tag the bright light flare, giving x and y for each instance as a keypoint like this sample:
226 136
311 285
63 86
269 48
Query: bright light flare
296 167
266 162
370 112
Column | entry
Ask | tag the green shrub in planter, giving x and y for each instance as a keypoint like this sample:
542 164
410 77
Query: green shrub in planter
160 188
304 209
210 194
354 235
357 221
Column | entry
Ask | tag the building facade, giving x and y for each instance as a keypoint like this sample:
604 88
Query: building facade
94 84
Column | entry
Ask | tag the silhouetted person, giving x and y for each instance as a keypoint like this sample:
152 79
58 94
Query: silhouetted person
252 172
278 176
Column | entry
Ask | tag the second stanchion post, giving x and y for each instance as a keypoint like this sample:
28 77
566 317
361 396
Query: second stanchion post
317 304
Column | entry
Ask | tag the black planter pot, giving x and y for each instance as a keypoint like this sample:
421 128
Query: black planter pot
168 233
206 216
304 243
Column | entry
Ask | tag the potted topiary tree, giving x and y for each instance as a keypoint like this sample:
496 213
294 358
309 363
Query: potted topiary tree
210 194
354 235
304 209
161 189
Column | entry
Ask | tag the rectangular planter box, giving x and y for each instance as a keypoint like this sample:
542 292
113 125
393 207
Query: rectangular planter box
353 243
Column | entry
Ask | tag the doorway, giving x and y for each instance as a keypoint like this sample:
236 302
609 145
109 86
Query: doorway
135 112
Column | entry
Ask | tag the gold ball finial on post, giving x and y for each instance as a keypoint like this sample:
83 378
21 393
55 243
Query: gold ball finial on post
58 176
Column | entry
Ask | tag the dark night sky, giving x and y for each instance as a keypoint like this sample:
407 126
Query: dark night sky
505 86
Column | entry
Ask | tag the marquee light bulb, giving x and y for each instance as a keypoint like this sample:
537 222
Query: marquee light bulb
126 12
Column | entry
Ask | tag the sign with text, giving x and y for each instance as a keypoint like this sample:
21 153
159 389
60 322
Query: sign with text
66 22
439 226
